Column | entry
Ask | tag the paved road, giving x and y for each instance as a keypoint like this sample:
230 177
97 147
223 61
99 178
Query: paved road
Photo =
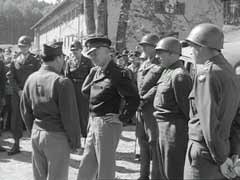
18 167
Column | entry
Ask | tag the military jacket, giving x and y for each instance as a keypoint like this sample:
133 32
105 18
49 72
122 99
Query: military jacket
214 109
48 103
107 87
173 88
21 68
2 79
77 70
146 81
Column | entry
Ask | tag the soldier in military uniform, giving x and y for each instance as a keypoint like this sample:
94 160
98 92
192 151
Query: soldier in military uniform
214 132
6 113
77 69
172 108
135 63
106 85
2 93
146 128
21 67
49 110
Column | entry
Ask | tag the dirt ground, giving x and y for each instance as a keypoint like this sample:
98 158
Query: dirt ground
18 167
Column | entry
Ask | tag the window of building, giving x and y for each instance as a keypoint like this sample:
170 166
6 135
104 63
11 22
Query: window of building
80 8
169 7
73 14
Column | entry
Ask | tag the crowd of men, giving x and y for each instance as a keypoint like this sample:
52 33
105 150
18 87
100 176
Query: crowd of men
188 127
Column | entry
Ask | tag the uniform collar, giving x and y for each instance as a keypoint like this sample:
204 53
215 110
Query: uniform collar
175 65
45 67
108 67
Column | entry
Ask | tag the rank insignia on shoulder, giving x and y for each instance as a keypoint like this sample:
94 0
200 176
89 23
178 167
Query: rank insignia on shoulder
202 78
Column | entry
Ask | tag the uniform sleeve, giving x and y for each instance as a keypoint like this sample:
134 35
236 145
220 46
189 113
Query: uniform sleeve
235 134
2 79
182 85
88 83
208 95
37 63
69 111
150 94
128 91
26 108
67 70
12 79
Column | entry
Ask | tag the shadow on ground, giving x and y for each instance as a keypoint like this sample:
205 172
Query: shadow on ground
124 170
24 156
129 128
127 139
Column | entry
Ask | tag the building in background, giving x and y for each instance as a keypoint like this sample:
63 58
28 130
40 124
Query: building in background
163 17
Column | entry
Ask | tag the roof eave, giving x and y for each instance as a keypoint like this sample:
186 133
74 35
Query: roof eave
50 13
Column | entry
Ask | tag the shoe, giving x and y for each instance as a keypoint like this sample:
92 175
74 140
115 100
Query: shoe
15 150
2 149
143 178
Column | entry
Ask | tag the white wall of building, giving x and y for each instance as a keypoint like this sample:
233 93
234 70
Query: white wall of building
196 11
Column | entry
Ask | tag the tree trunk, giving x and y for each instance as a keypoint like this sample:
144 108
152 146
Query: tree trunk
102 19
89 16
122 25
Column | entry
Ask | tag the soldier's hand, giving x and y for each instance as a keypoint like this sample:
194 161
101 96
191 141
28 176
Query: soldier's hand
236 163
3 101
141 105
227 169
237 168
20 93
111 118
75 143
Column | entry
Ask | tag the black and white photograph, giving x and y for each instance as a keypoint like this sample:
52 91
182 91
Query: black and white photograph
119 89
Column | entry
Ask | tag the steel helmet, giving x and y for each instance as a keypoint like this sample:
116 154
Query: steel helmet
76 45
207 35
150 39
170 44
24 41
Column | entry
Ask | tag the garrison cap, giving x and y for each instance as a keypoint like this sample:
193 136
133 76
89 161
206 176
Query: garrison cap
95 41
76 45
52 50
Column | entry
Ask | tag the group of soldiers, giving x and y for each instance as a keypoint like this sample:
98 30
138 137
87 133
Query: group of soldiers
189 128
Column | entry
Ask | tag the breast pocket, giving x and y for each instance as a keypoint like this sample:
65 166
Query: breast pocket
163 94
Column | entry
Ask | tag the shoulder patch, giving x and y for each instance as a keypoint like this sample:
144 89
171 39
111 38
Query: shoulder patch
179 78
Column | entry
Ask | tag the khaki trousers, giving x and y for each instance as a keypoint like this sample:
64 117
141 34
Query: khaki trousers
50 156
199 164
16 118
99 154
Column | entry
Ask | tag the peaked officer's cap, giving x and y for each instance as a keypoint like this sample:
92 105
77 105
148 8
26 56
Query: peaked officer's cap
95 41
52 50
